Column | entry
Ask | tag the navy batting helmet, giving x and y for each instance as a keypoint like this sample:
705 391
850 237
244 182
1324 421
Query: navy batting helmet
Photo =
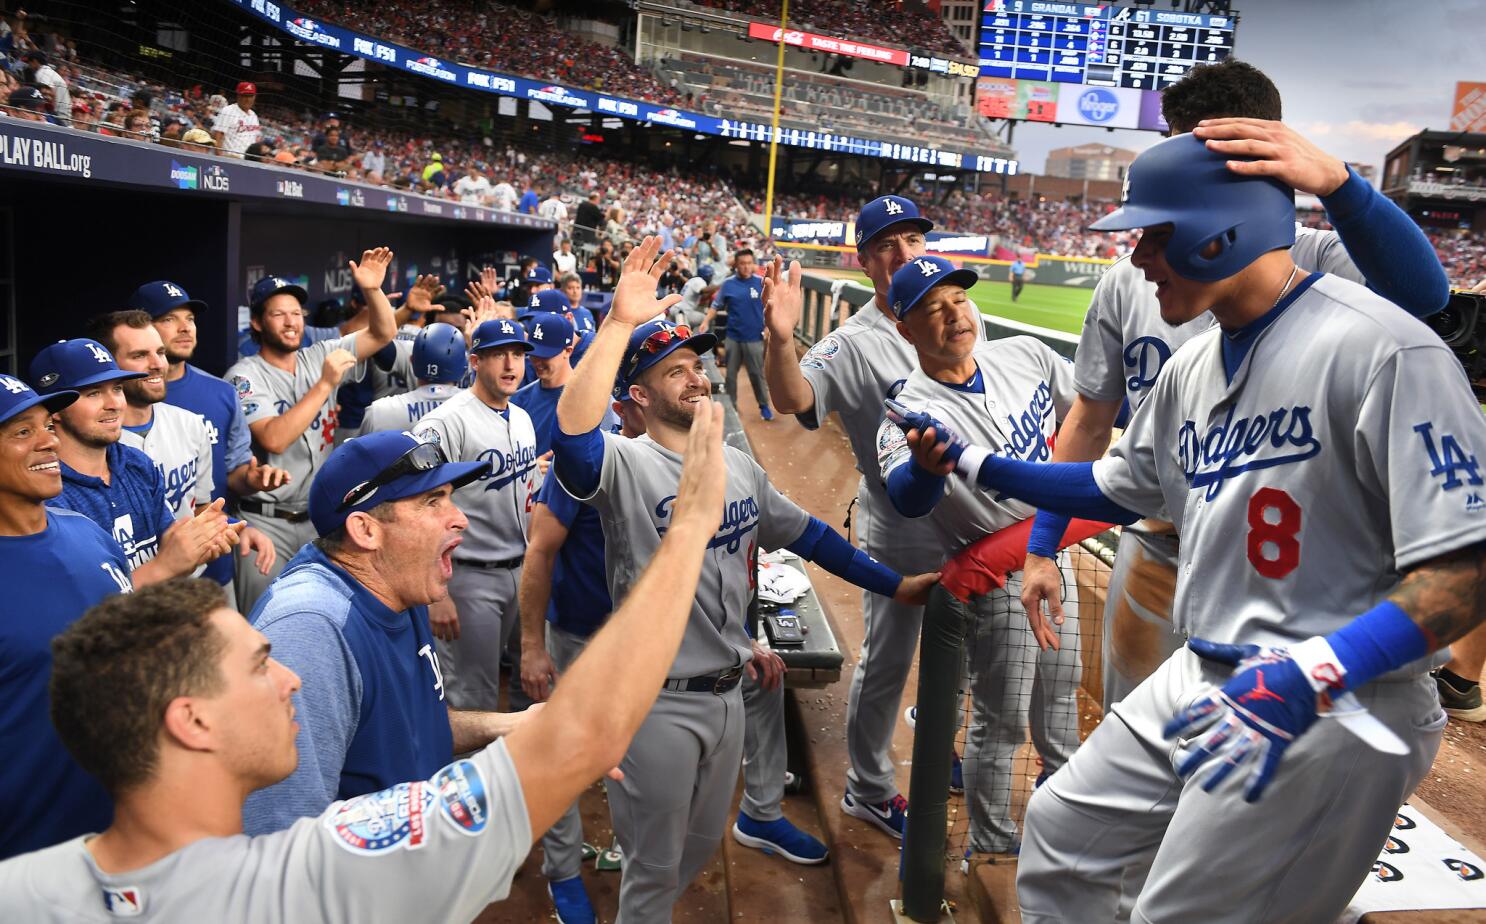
440 354
706 272
1182 183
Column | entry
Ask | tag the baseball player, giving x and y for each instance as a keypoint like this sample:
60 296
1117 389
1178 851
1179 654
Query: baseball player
551 357
679 774
481 424
1008 395
117 486
459 836
188 387
176 440
54 564
287 394
849 372
439 361
1125 341
742 296
1331 531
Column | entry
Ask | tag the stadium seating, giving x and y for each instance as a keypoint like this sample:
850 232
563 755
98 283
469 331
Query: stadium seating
904 23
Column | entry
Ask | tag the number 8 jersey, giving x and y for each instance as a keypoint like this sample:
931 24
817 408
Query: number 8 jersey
1343 452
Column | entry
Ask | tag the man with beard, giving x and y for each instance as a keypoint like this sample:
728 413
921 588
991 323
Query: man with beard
116 486
177 440
288 400
234 468
671 808
478 619
45 797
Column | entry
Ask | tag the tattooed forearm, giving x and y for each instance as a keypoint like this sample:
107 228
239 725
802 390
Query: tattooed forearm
1446 597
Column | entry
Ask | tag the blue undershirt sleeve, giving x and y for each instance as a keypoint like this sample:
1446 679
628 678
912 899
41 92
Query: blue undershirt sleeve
578 461
1066 488
1388 248
824 546
1047 534
913 489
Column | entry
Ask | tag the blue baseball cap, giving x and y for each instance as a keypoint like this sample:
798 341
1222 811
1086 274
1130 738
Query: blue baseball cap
884 211
161 297
547 300
706 271
498 333
921 274
539 274
73 364
369 470
550 333
653 341
16 396
269 286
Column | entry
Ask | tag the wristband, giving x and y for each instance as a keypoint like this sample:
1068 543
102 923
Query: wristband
1380 640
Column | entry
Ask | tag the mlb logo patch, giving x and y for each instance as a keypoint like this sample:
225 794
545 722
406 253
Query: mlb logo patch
126 902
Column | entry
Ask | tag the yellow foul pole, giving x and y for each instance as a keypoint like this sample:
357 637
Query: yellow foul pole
774 132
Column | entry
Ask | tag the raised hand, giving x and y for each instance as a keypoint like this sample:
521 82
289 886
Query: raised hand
337 362
372 270
784 299
634 295
425 289
699 496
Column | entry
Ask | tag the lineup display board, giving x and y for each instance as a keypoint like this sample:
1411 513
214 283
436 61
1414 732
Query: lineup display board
1091 64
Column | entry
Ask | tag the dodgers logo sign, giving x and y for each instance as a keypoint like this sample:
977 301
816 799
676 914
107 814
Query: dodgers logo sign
1098 105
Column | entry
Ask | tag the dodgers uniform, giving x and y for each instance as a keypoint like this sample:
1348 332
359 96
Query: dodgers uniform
216 402
266 391
487 566
1122 349
671 808
460 836
179 444
389 372
403 411
50 579
851 371
1339 452
130 506
1012 407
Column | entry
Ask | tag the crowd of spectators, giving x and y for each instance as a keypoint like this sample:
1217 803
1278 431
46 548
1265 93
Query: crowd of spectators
898 24
500 37
1462 253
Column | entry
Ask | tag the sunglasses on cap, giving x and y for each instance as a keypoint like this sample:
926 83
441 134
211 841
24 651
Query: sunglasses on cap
659 340
424 457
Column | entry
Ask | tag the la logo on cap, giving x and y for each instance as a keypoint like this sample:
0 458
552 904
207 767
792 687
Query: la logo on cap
925 267
16 386
174 291
892 207
99 353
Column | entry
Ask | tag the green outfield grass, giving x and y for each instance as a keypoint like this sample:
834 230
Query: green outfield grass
1054 307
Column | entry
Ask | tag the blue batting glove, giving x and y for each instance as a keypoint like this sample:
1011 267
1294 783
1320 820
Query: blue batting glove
923 422
1267 703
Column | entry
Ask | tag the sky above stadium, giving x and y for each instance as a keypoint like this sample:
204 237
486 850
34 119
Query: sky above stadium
1357 76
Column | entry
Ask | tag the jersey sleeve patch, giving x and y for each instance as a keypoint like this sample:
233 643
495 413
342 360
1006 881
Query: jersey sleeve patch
380 822
892 447
464 799
823 352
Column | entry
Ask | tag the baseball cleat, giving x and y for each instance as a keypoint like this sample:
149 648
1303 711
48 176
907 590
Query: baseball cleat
781 837
891 816
570 899
1464 705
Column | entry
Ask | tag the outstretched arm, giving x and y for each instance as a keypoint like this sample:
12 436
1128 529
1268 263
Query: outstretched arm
783 303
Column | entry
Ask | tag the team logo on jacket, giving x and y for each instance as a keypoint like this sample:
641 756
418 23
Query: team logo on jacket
739 517
1245 444
506 467
1144 358
463 799
1028 442
1448 458
377 822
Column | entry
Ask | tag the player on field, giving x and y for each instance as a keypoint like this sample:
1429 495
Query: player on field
1318 450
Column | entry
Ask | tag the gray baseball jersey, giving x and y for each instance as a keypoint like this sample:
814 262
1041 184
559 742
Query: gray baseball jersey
1125 343
459 836
499 502
851 370
265 391
1027 390
1343 452
636 488
180 444
398 379
401 412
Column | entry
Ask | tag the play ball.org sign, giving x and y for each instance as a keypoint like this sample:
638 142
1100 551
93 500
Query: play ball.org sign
1098 105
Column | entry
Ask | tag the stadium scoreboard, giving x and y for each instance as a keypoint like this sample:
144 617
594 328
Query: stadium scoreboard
1031 51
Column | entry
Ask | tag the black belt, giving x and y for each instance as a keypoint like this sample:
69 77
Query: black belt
707 683
505 564
272 510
